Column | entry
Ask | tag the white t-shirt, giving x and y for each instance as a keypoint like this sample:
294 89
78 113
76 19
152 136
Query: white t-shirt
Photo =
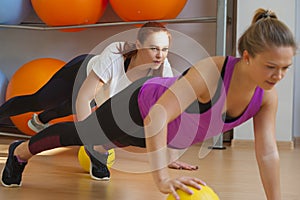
109 67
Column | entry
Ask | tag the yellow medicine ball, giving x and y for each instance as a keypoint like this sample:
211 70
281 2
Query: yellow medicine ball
206 193
84 159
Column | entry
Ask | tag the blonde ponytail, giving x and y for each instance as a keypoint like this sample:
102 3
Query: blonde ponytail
265 33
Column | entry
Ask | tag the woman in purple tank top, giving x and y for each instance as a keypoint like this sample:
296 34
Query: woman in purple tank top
215 95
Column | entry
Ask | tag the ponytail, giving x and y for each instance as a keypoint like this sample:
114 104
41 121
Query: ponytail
265 32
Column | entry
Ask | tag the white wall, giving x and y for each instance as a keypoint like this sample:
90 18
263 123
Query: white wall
296 117
285 10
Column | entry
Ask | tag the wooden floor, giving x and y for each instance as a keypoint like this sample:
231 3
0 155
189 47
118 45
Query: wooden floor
232 173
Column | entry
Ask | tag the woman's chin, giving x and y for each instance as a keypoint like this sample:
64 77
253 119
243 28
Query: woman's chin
155 66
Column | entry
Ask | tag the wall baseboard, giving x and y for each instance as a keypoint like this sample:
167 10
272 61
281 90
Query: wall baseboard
250 143
297 141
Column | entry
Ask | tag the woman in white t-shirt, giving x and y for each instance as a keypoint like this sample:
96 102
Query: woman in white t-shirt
58 96
106 77
112 68
89 78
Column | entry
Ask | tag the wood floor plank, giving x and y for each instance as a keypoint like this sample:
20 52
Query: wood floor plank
232 173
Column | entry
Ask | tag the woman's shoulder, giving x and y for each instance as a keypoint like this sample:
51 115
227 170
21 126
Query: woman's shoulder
115 46
270 97
111 51
219 60
213 62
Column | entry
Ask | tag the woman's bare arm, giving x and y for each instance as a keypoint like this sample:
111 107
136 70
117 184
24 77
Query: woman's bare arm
265 146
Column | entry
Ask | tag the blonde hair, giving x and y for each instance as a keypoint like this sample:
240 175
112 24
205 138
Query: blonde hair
265 32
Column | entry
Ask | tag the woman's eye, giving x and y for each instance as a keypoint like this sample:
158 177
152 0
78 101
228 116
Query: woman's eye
158 49
270 67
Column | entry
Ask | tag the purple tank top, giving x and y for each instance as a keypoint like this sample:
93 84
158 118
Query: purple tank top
191 128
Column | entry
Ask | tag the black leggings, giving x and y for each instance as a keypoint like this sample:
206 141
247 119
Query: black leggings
55 97
117 122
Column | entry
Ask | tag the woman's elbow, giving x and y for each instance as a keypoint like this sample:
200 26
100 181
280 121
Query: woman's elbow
155 121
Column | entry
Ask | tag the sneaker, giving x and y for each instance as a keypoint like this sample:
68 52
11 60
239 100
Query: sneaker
35 125
98 166
12 172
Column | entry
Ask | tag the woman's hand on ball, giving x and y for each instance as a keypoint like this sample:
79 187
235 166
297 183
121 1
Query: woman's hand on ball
171 185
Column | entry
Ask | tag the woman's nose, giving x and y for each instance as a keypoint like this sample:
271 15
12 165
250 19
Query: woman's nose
279 74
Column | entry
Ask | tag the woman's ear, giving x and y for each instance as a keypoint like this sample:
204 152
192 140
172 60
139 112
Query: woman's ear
246 57
138 44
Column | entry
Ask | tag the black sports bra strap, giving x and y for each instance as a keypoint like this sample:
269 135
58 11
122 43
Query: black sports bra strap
126 64
198 107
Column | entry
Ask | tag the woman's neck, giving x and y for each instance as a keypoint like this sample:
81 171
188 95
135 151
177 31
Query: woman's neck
137 69
138 64
240 77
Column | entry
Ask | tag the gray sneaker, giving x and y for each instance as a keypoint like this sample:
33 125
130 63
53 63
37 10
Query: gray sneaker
35 125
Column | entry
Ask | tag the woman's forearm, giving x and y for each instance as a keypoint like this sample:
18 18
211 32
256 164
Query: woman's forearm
83 110
156 144
85 95
269 167
158 159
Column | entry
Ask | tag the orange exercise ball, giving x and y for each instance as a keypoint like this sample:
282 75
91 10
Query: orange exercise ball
69 12
27 80
140 10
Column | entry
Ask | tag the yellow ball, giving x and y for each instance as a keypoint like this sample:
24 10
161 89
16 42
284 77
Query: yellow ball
84 159
206 193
